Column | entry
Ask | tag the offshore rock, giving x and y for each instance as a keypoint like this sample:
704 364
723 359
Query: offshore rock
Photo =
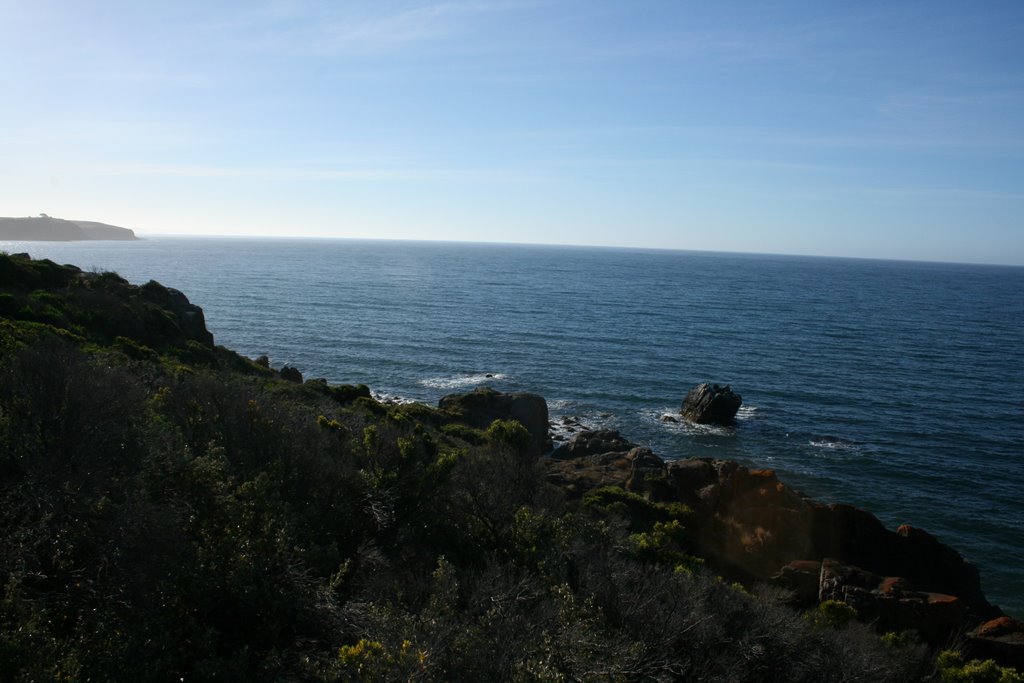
482 406
711 404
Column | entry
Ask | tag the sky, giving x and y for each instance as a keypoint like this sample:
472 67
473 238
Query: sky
867 129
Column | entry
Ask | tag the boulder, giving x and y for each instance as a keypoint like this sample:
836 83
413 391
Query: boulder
750 525
291 374
592 442
1000 639
482 406
935 616
189 317
802 578
637 470
646 471
711 404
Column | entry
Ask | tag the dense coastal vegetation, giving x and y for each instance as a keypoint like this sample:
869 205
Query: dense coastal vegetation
173 510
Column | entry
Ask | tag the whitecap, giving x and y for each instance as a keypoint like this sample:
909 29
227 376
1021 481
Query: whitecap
391 399
833 445
672 421
459 381
563 426
746 412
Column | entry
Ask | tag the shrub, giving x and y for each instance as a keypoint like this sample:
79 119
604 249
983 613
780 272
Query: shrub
641 512
901 640
510 433
464 432
134 350
346 393
834 614
954 669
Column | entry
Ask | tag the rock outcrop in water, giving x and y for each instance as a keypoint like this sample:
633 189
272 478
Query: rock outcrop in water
711 404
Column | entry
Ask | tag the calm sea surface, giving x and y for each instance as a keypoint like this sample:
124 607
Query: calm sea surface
895 386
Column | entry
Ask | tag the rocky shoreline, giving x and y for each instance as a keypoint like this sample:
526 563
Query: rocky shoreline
752 528
316 495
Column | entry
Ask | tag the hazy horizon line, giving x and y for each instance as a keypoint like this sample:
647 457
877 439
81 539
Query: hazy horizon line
300 237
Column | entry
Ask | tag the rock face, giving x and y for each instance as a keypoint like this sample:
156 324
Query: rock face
711 404
750 526
889 602
592 442
754 527
104 231
482 406
151 314
1001 639
291 374
189 317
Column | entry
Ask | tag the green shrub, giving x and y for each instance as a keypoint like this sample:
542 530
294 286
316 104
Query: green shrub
510 433
464 432
332 425
834 614
370 660
419 413
663 544
954 669
133 349
8 304
346 393
641 512
901 640
371 406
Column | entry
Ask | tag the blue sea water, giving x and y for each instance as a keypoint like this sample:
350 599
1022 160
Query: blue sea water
894 386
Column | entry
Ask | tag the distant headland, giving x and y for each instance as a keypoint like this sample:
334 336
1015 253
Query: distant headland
43 228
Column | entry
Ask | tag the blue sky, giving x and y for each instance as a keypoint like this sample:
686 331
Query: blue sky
888 129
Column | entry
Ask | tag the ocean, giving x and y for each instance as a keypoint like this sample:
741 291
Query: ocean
894 386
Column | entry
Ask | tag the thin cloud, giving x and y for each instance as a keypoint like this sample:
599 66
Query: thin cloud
285 173
327 29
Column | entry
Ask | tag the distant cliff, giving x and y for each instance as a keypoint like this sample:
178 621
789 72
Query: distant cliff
45 228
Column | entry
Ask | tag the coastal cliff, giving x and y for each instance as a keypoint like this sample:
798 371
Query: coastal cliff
171 509
45 228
